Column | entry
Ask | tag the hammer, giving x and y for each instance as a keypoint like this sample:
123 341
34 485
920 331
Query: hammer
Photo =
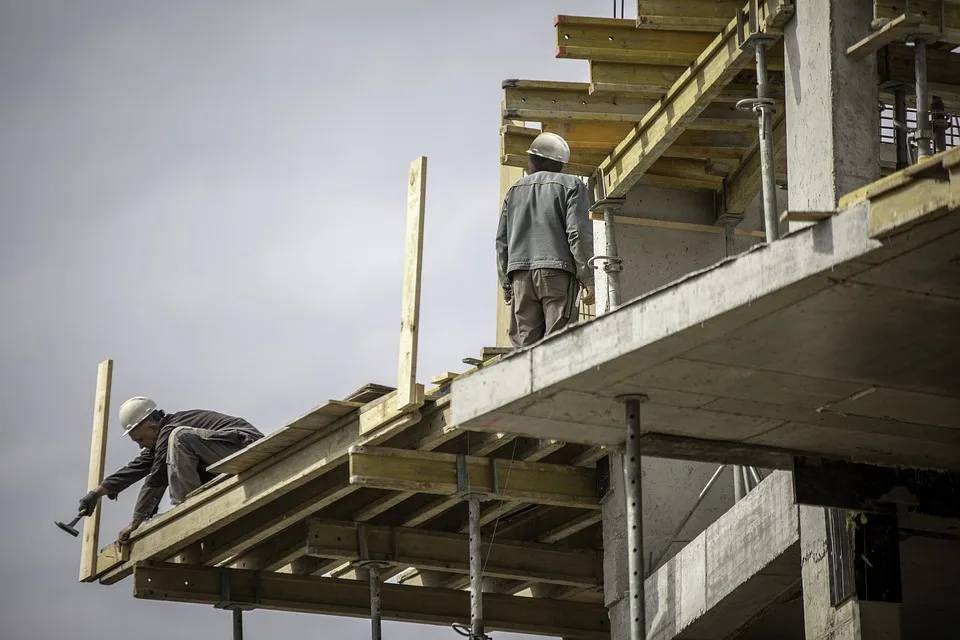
69 527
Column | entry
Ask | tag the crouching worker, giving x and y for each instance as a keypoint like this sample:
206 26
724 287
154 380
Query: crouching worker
176 449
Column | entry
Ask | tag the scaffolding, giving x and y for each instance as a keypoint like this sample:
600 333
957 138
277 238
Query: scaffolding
489 512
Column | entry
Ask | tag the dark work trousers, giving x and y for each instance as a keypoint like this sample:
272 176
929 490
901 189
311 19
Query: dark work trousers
543 302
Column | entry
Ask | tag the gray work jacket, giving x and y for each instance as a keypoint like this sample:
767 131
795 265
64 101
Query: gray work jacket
152 463
545 224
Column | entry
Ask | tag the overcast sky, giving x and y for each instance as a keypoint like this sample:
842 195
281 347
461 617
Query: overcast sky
212 193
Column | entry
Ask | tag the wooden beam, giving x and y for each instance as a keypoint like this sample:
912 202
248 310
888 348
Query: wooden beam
677 225
436 473
408 393
615 40
650 82
896 30
714 68
448 552
98 454
930 13
308 594
388 408
570 527
895 67
690 15
806 216
535 100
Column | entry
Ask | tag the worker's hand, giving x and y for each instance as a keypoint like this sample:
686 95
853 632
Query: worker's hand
587 297
507 296
88 503
124 536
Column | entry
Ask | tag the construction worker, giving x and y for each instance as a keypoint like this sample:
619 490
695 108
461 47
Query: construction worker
544 240
176 449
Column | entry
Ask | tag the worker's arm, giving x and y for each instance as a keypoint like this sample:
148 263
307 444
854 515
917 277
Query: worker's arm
151 493
580 232
502 256
111 486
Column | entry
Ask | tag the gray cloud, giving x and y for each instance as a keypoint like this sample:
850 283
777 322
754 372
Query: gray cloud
212 194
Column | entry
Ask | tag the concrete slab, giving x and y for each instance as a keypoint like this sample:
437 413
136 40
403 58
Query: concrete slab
829 341
745 562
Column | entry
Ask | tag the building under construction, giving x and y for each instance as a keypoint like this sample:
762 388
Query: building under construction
755 433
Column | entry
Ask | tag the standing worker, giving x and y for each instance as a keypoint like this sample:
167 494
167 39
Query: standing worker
176 449
544 240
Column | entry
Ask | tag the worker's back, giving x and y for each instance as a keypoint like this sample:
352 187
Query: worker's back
542 211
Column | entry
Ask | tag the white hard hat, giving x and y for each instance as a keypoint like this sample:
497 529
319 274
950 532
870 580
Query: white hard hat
550 146
134 411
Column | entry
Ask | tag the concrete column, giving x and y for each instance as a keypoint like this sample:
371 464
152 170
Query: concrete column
833 140
833 147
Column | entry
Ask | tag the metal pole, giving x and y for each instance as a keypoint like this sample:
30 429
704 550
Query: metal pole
900 127
634 495
747 482
613 275
939 122
738 488
696 505
476 572
729 237
755 475
237 624
374 572
764 110
923 98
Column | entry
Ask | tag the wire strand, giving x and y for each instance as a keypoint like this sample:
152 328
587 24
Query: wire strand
496 522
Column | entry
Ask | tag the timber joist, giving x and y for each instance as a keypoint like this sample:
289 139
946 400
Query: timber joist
895 68
715 67
690 15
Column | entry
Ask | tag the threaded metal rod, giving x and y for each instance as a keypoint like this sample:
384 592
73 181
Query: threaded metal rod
476 572
923 98
613 276
375 603
767 169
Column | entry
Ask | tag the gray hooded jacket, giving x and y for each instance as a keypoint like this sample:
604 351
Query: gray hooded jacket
545 224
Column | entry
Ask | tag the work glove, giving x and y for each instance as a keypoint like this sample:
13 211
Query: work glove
89 502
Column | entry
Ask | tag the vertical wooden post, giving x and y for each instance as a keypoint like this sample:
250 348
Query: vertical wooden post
98 452
508 177
407 393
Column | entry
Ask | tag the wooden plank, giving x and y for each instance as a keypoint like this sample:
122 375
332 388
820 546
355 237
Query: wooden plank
534 100
570 527
330 596
436 473
930 13
687 98
652 81
690 15
805 216
448 552
98 454
936 163
896 30
677 226
311 422
615 40
388 408
444 378
408 393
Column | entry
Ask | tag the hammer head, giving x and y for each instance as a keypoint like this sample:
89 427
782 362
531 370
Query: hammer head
68 529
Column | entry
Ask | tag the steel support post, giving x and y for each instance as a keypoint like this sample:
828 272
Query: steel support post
764 107
900 127
738 488
922 134
476 572
375 621
612 263
634 496
939 122
237 624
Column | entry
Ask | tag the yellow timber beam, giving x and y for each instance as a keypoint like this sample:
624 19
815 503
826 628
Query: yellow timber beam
448 552
925 12
615 40
437 474
652 81
537 100
689 15
687 98
330 596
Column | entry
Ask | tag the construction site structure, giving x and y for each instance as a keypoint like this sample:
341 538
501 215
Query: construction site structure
755 433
